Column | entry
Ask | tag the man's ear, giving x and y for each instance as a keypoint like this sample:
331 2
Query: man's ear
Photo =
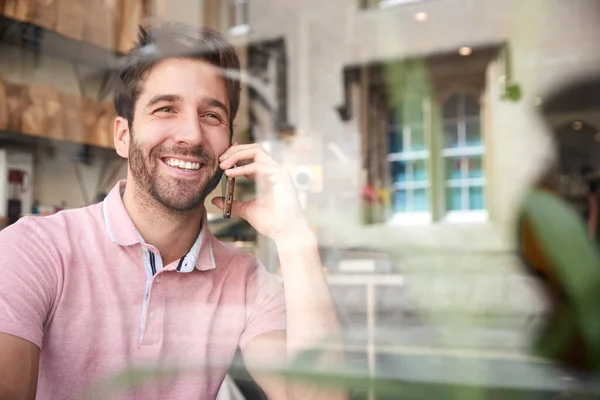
122 137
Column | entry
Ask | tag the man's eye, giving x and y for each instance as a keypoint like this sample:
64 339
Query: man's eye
164 109
213 118
212 115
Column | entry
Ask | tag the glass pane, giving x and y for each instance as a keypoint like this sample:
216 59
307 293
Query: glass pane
453 168
454 199
451 107
471 106
395 138
419 170
473 133
399 201
475 167
451 134
476 201
399 171
420 200
417 137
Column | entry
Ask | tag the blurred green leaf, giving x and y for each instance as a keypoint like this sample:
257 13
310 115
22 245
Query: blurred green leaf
576 261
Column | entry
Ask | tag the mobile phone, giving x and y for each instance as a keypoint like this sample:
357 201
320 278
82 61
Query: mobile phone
228 201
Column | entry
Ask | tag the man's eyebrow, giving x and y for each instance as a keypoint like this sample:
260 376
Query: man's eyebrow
211 101
170 98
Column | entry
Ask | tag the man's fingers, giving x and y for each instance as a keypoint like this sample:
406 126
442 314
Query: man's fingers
253 170
238 208
218 202
235 148
241 154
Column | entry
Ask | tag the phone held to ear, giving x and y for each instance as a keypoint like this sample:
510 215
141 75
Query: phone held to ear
228 200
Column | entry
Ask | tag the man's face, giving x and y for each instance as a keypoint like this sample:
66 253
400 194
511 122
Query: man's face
180 128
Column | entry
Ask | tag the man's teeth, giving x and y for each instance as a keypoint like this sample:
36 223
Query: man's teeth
183 164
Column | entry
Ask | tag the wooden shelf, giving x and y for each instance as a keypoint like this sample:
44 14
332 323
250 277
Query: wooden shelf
43 41
18 139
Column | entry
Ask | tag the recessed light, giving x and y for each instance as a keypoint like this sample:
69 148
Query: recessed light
577 125
465 51
421 16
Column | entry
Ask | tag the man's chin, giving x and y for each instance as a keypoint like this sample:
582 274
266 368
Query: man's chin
179 205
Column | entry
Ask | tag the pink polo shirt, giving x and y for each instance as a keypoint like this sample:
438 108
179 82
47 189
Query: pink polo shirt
84 287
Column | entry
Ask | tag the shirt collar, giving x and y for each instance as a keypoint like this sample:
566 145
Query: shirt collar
122 231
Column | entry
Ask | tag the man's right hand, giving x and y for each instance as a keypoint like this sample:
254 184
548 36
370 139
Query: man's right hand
19 362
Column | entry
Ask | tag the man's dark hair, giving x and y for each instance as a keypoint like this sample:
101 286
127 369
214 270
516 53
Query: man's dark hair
174 40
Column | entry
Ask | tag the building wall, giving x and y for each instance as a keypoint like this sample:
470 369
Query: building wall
323 37
448 264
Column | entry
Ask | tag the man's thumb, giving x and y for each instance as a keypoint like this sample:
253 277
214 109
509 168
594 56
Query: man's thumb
218 202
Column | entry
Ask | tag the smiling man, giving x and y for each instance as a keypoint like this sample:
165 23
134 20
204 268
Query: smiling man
138 280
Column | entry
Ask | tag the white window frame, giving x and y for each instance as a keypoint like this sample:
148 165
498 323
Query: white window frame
412 217
464 215
393 3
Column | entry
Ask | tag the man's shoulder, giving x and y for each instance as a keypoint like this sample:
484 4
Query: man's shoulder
56 225
229 257
228 253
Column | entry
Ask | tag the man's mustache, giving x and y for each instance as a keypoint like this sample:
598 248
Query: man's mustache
197 153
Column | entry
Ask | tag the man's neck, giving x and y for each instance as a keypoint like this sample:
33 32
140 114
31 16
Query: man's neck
172 234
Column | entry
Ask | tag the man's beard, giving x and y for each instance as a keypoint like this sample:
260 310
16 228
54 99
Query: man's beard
176 195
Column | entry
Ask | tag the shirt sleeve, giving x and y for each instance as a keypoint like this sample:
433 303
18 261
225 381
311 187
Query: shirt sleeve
265 305
28 280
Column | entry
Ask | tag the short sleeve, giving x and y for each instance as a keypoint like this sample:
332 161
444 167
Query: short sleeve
28 280
265 305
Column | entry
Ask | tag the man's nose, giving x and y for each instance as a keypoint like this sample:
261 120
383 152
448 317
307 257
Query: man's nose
190 131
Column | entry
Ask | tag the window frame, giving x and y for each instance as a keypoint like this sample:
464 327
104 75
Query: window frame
384 4
445 153
412 217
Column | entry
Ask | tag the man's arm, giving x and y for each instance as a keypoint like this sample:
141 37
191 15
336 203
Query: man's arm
28 286
19 361
310 314
310 319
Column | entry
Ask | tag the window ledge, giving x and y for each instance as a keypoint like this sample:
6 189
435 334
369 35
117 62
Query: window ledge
410 219
393 3
239 30
466 217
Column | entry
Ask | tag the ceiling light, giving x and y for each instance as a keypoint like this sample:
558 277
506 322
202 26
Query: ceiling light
465 51
538 101
421 16
577 125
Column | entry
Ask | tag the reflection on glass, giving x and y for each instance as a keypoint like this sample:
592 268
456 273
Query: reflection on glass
400 201
421 202
471 106
473 130
399 171
451 134
454 199
419 170
396 139
476 198
453 170
475 167
451 107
